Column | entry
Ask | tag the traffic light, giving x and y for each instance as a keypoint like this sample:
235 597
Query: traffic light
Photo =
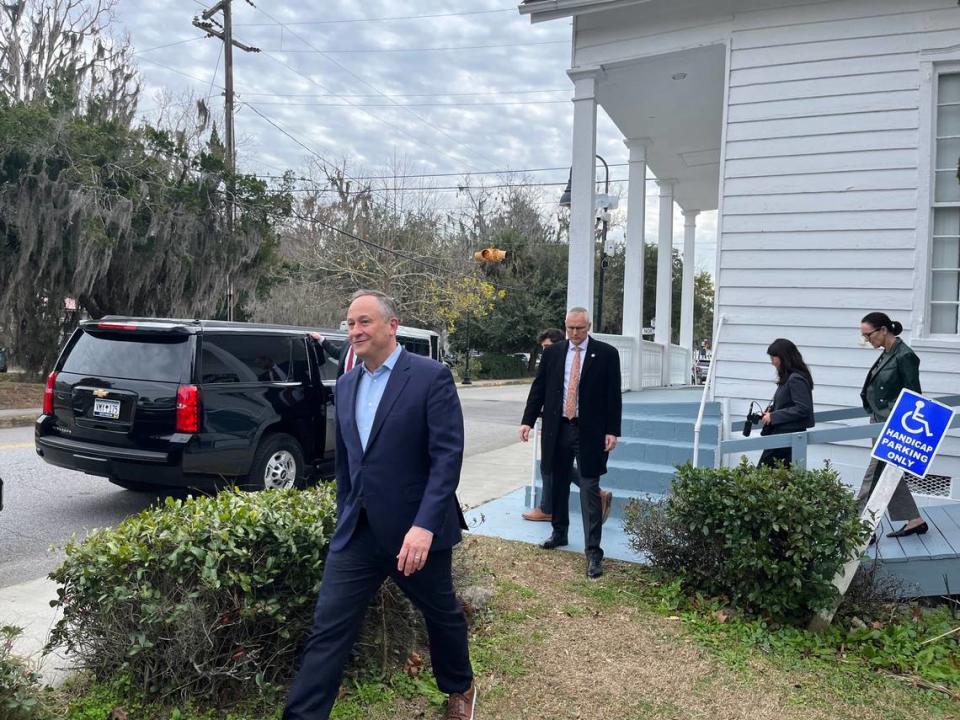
490 254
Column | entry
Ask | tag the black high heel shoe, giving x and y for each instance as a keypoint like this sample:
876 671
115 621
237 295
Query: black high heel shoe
920 529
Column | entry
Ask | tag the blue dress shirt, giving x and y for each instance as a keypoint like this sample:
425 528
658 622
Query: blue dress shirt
369 393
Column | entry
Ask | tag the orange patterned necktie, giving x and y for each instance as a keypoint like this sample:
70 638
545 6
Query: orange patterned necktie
570 402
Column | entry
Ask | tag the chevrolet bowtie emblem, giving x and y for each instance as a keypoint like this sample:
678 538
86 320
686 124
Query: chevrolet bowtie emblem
101 393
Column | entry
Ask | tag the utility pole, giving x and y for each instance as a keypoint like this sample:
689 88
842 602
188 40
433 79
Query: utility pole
206 23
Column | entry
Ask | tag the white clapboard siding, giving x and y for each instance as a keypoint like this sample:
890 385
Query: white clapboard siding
824 125
830 240
824 87
895 302
844 67
831 105
820 144
824 163
820 204
815 202
823 220
788 257
787 280
847 182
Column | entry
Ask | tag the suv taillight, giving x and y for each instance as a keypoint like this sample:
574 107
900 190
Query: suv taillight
48 394
188 409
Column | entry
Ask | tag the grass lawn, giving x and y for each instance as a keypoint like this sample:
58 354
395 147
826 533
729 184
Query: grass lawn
553 644
556 645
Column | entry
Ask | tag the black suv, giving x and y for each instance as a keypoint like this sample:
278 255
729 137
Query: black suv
154 403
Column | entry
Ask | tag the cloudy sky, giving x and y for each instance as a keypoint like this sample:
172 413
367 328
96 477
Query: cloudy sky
445 86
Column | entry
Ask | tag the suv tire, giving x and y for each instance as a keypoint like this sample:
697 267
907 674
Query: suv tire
278 463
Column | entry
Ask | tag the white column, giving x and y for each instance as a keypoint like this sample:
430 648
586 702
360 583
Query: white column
633 260
582 214
664 329
686 296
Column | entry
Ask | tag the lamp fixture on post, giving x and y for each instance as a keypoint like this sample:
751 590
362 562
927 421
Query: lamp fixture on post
604 207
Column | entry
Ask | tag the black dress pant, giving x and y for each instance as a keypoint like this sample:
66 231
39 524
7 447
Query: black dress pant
771 456
351 578
568 450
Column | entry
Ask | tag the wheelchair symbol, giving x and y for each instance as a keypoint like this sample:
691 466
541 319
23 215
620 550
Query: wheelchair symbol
916 418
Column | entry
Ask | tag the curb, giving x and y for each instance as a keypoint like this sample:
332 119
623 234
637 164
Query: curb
13 421
495 383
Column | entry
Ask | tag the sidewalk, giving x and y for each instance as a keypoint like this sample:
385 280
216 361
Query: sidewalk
484 477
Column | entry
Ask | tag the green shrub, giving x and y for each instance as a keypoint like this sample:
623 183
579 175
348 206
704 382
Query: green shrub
206 596
494 366
19 685
770 540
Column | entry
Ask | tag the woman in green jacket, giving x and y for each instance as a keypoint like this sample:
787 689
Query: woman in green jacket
898 367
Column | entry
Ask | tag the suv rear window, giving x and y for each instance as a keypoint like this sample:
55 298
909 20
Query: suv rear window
132 356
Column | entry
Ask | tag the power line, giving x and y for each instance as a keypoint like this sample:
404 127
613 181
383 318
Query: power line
400 95
161 47
178 72
358 106
403 105
444 48
381 19
404 176
361 80
447 188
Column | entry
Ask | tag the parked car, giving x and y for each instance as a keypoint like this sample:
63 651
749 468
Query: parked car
151 403
700 370
158 403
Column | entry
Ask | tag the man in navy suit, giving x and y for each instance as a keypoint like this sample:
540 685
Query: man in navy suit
399 451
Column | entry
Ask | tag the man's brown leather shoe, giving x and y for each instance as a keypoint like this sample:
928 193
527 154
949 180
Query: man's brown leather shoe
537 515
460 705
606 502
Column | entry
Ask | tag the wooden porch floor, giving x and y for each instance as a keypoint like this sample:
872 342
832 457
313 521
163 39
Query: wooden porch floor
925 565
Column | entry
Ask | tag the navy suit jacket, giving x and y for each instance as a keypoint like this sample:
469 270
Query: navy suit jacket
409 473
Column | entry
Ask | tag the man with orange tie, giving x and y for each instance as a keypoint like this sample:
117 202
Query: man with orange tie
577 391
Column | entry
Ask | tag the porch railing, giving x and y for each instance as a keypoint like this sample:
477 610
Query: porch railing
799 442
651 362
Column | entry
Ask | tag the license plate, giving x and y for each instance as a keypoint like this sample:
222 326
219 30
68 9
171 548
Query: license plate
106 409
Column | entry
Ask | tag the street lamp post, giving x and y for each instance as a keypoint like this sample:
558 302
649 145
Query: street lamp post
565 202
466 363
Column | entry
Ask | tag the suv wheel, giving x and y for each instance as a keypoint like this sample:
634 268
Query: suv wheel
278 464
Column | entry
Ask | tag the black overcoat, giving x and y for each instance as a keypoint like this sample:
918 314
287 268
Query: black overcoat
600 403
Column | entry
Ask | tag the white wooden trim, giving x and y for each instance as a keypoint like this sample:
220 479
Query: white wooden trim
932 65
727 74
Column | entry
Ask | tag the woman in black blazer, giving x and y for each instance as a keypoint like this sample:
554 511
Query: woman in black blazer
792 406
898 367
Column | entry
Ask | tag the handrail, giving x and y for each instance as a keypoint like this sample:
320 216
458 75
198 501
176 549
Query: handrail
853 413
799 441
707 384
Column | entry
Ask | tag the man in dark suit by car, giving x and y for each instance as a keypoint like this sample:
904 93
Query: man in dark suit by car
577 390
399 429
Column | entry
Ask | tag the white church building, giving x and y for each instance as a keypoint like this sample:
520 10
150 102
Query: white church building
826 134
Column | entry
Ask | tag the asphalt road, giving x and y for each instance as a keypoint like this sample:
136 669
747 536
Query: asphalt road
44 506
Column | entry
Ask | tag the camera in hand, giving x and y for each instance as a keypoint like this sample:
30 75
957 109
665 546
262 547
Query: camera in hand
753 417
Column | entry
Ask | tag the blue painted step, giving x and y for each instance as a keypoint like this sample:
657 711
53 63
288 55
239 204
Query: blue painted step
656 437
620 500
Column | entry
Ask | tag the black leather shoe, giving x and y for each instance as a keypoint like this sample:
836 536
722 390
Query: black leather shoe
594 567
554 541
920 529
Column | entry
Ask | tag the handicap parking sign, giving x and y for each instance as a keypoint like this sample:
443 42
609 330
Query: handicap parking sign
913 433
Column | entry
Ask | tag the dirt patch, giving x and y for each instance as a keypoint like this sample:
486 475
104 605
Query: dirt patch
561 646
17 395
